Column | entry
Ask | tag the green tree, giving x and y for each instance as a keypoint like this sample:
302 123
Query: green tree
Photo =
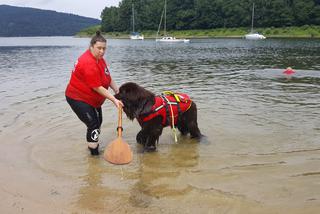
110 19
207 14
302 10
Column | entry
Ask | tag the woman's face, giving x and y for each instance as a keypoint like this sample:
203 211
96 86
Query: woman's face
98 49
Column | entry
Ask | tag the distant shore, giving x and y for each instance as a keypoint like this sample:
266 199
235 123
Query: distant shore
283 32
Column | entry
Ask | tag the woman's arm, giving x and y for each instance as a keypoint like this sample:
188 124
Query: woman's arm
104 92
114 86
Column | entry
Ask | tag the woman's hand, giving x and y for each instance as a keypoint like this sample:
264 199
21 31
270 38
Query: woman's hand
118 103
104 92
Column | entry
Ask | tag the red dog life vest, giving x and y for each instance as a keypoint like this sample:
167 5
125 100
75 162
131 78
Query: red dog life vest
179 103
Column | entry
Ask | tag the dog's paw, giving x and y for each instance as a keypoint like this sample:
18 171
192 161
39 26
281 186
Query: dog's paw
140 138
150 148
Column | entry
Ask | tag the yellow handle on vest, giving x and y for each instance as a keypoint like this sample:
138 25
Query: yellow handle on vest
173 94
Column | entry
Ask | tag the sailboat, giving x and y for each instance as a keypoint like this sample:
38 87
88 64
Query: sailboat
166 38
135 35
252 35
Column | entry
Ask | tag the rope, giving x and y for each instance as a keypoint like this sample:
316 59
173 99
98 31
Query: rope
174 131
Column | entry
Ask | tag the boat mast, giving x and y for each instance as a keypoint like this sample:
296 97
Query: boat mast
132 17
160 23
165 17
252 18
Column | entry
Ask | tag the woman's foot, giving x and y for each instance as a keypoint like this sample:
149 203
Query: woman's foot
94 148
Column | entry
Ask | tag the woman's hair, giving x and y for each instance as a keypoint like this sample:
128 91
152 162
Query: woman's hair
97 38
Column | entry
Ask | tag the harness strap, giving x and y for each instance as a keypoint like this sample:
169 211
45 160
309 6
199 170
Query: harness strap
158 108
179 113
167 109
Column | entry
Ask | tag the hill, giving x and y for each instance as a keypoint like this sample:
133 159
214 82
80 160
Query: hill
24 21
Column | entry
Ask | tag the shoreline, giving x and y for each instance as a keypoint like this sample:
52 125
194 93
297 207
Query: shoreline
304 32
205 37
108 36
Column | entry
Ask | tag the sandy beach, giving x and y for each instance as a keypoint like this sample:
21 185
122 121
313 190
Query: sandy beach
41 173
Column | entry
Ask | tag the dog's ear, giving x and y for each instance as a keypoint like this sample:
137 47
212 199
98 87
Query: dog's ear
133 92
125 90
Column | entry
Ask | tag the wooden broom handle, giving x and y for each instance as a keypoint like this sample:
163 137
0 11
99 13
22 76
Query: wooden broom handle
119 129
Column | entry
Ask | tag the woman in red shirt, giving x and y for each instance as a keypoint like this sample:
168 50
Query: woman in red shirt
88 89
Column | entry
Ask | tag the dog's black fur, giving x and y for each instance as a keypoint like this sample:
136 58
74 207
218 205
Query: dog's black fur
139 101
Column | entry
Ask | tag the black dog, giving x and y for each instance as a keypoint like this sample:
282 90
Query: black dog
155 112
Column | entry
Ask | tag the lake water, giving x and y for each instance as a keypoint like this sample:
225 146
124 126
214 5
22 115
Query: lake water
261 153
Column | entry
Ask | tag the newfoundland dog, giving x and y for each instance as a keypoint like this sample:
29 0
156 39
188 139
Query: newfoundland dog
155 112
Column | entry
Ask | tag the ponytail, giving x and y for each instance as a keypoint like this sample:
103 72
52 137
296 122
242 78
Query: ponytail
97 38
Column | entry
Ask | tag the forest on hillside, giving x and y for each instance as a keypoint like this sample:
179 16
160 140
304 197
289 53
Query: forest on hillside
209 14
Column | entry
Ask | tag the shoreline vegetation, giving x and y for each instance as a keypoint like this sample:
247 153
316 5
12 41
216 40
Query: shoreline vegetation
306 31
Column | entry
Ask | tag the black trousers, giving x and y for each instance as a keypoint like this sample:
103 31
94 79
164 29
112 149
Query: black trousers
90 116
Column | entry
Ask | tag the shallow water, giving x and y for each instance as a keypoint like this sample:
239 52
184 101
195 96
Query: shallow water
260 154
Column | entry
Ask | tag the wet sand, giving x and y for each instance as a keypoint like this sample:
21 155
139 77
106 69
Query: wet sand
51 171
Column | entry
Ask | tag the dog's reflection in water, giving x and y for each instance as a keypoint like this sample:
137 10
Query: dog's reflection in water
166 175
156 112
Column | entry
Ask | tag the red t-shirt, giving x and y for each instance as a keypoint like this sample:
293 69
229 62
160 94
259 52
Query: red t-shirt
88 73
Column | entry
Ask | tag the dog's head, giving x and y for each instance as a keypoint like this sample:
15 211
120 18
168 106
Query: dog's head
136 99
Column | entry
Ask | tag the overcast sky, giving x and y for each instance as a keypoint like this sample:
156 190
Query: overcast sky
88 8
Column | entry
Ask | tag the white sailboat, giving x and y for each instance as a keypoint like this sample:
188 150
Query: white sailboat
135 35
166 38
252 35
